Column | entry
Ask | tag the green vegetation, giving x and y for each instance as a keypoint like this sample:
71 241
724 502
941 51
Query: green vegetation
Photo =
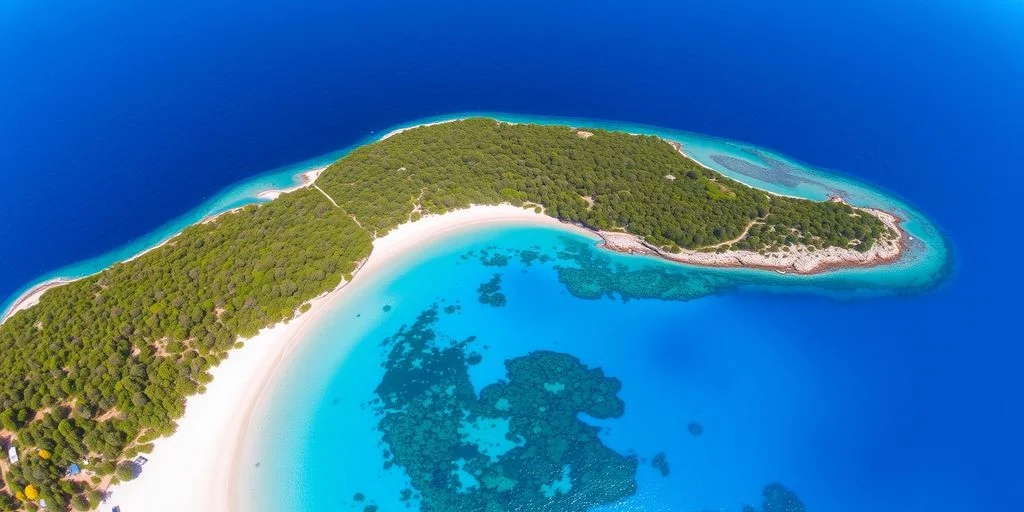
608 181
101 367
125 471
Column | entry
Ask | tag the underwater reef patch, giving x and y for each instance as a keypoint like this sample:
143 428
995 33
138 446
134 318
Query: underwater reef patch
695 429
490 292
778 498
660 462
519 445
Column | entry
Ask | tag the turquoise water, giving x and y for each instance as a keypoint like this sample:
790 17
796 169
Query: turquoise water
763 403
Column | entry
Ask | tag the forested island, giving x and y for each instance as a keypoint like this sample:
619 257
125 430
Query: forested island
102 366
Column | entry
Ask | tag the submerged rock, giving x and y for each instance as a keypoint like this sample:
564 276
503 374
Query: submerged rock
517 446
496 260
695 429
660 462
778 498
490 292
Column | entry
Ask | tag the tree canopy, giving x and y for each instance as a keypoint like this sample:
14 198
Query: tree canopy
605 180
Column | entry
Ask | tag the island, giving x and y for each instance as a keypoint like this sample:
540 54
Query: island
99 368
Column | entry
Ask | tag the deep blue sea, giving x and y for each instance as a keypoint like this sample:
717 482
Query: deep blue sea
122 122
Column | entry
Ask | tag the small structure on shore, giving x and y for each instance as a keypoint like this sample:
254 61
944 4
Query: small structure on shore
12 455
74 470
141 461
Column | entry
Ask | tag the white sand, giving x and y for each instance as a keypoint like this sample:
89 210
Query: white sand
799 259
392 133
305 179
31 297
191 470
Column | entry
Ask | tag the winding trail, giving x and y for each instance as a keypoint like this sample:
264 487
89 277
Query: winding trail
738 238
416 206
329 198
336 205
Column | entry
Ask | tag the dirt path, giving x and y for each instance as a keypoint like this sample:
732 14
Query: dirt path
734 240
416 206
336 205
329 198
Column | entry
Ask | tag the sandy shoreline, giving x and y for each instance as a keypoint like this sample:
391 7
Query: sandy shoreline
305 179
193 468
197 467
392 133
32 295
797 260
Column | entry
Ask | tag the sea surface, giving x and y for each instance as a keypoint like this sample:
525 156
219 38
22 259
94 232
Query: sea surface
778 397
900 389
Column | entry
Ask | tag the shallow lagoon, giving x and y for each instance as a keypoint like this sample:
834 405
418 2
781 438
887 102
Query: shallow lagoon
773 402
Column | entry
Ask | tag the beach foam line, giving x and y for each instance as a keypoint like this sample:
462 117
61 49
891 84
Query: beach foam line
396 131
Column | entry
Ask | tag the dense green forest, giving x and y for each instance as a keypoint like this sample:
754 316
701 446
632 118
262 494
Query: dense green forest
607 181
101 367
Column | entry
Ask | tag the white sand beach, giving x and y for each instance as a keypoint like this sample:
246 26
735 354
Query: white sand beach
31 297
799 259
305 179
392 133
191 470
